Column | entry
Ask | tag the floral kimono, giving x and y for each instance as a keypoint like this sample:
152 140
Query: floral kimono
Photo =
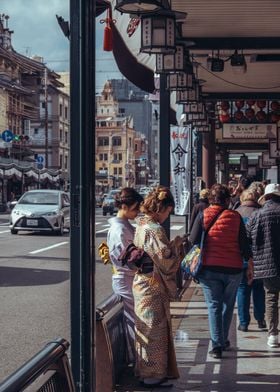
155 354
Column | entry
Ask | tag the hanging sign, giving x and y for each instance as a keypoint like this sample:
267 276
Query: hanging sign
180 168
273 150
249 131
266 161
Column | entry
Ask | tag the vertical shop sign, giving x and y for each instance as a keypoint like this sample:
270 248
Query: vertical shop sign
180 168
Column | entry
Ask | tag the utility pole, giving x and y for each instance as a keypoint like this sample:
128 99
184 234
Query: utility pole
46 117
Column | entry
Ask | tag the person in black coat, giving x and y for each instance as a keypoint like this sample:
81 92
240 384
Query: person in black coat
263 228
249 204
203 203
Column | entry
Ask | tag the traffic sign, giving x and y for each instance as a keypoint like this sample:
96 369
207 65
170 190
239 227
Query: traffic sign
40 159
7 135
40 166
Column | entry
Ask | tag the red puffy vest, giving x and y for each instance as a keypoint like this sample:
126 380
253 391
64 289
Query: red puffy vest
221 246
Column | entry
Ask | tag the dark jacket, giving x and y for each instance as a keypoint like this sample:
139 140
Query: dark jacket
247 208
263 228
200 206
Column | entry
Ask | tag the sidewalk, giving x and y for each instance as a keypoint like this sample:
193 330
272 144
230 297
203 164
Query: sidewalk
249 366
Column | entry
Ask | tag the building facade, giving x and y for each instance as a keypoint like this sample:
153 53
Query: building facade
22 83
115 144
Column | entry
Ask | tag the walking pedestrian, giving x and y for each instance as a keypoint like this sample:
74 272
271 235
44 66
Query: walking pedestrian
249 204
202 203
120 235
263 228
224 247
153 287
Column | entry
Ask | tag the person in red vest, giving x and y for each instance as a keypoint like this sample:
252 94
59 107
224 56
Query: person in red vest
225 246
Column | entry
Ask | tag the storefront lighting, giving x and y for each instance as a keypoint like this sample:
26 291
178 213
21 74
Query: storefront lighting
179 81
173 62
158 33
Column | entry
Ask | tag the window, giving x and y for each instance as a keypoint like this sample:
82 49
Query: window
66 137
60 161
122 110
116 141
36 131
66 112
115 157
60 135
136 147
103 141
60 109
103 124
43 105
105 157
129 142
66 162
101 157
120 157
115 170
120 171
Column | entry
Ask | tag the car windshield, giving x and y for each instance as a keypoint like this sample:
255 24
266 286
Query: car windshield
39 198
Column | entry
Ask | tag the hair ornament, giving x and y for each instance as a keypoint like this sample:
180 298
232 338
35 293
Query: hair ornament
162 195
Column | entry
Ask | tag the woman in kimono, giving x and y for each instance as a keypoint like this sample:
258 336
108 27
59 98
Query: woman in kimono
120 234
153 287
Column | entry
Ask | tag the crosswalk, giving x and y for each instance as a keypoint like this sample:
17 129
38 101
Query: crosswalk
104 227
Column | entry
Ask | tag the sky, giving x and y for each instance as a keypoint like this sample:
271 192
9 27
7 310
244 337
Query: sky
36 32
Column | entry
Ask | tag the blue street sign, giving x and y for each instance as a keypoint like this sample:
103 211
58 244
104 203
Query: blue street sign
40 166
40 159
7 135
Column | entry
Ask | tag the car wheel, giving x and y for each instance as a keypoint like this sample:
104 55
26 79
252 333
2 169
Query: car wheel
61 229
14 231
111 213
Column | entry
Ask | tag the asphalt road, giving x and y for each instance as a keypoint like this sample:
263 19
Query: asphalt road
35 289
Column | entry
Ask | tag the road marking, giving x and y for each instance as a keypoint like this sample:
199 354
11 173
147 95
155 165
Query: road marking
102 231
4 224
98 223
5 231
176 227
48 247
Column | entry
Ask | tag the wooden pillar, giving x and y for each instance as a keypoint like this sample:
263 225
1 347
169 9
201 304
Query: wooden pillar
208 157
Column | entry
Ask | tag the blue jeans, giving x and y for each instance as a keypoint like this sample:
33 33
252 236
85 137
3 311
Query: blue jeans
219 291
243 300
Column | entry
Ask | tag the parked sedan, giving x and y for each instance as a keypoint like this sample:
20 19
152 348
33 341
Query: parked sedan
108 206
41 210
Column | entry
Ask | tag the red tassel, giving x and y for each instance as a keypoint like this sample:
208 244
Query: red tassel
108 36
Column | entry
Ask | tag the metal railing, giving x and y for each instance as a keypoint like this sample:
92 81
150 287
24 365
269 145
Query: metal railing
111 347
47 371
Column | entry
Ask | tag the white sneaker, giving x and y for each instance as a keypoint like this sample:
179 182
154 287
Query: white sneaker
272 341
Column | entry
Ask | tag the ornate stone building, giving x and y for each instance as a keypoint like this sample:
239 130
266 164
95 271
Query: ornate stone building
115 143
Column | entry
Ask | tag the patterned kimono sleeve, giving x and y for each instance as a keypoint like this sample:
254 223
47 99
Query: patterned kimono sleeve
165 260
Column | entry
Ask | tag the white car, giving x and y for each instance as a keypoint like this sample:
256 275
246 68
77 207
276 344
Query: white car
41 210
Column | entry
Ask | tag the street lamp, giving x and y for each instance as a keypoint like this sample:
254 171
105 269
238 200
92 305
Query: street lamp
158 33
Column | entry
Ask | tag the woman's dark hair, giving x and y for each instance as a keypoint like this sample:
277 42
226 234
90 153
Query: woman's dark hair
219 194
128 196
158 200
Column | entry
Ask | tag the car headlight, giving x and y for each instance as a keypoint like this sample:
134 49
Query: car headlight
51 213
